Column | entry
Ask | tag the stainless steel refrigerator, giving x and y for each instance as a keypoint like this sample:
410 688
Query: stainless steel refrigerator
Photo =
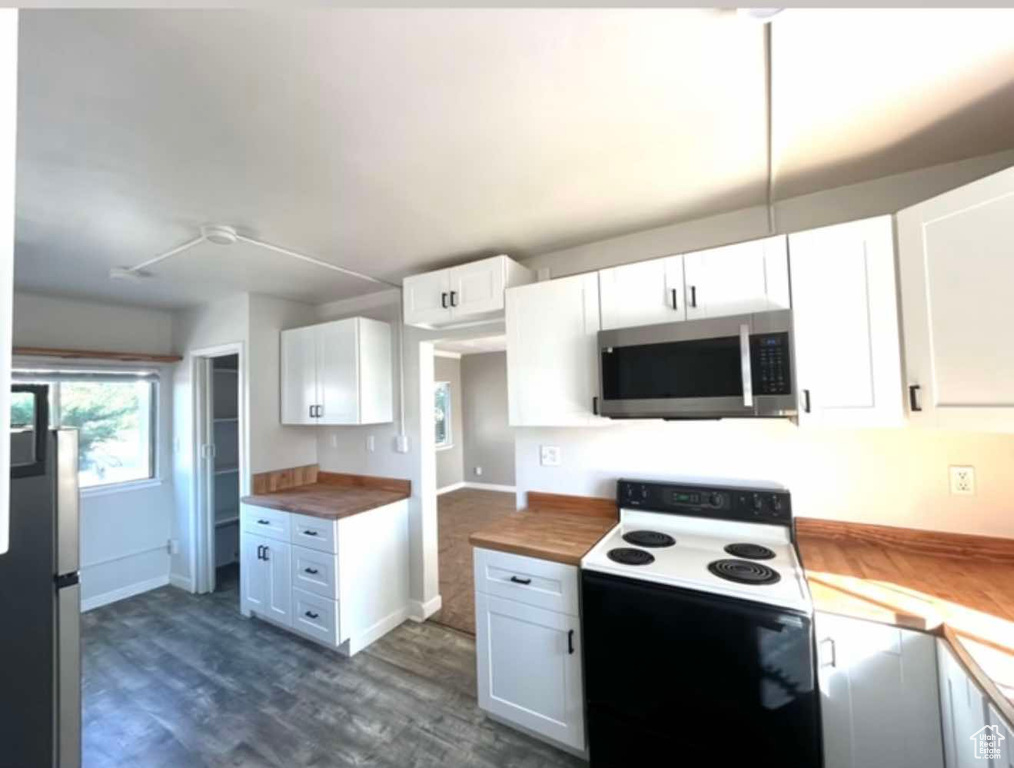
40 600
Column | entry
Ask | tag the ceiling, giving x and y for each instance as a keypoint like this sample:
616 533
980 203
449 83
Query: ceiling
474 346
394 141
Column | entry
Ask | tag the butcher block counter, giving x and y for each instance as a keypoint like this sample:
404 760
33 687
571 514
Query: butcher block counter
308 491
960 587
553 527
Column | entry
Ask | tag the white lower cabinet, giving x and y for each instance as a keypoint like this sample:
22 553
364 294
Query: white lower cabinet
343 583
264 568
972 726
529 659
879 697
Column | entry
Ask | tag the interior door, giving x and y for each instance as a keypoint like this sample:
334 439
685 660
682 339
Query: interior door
552 352
645 293
299 376
956 272
427 298
338 372
529 663
737 279
845 315
477 288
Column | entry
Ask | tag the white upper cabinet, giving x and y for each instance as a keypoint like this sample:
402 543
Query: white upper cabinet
552 363
845 315
337 373
956 265
645 293
737 279
467 293
299 376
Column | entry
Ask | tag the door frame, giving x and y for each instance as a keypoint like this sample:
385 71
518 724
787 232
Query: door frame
202 502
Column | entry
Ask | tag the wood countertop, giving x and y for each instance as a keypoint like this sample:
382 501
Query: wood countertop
553 527
960 587
307 491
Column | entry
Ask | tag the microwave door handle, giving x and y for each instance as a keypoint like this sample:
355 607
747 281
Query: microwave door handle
744 358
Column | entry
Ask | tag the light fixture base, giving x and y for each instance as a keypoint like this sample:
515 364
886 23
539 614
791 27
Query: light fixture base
219 235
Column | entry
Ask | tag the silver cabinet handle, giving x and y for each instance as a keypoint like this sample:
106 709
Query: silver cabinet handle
744 357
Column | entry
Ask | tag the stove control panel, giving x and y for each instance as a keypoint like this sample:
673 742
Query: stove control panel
746 504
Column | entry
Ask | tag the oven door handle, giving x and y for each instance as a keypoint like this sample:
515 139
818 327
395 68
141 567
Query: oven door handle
744 359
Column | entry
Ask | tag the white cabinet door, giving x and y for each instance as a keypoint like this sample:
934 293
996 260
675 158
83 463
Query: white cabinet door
299 376
879 701
964 711
427 298
645 293
477 288
338 372
956 266
845 315
737 279
1004 735
265 567
529 665
552 352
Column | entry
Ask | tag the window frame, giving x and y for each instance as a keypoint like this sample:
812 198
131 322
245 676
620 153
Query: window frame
47 372
448 441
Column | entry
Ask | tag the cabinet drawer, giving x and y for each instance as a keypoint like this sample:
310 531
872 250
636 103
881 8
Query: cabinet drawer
315 572
315 533
315 616
541 583
262 521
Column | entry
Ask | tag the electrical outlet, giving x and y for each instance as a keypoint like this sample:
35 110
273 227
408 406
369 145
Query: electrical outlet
334 439
371 443
549 455
401 443
963 481
478 471
173 546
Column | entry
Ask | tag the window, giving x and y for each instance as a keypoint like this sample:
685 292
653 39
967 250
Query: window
114 413
443 414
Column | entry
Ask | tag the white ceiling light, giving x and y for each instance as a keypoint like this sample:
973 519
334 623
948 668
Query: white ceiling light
219 235
222 235
762 15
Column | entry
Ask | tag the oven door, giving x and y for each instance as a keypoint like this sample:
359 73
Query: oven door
704 679
737 366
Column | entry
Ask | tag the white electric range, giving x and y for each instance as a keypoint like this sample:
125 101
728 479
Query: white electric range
695 545
696 616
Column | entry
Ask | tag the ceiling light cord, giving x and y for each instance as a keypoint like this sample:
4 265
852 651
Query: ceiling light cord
162 257
769 128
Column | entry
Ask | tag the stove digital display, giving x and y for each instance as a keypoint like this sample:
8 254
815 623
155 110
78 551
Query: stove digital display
679 497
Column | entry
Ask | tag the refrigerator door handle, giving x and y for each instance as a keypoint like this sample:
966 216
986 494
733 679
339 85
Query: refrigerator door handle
67 500
68 673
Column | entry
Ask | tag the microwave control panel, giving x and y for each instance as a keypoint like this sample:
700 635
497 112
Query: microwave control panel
771 364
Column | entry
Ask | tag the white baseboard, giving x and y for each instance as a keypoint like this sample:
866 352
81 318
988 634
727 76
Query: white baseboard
378 630
492 487
449 488
419 611
182 582
123 593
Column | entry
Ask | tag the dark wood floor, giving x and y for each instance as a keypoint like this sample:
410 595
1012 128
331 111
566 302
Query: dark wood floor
182 681
459 513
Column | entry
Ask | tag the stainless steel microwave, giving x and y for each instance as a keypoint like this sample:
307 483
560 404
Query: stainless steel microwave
739 366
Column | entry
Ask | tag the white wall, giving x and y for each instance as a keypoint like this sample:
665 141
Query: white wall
8 153
488 438
124 532
222 322
273 446
886 477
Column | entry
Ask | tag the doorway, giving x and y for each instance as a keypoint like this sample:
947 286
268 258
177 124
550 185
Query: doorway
473 447
219 466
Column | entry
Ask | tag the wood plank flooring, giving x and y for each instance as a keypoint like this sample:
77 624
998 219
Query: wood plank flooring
182 681
459 513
